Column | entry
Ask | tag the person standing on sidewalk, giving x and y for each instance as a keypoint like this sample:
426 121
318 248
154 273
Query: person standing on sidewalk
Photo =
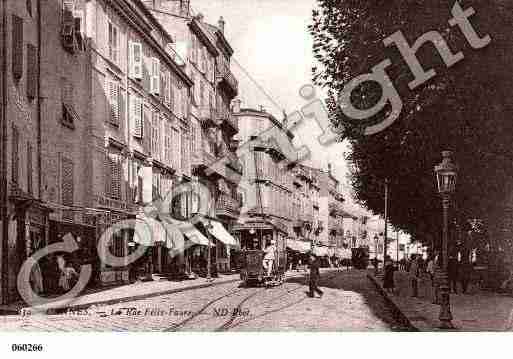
314 277
414 276
431 269
452 273
388 278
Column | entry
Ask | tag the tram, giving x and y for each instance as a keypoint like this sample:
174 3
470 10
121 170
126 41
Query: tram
253 271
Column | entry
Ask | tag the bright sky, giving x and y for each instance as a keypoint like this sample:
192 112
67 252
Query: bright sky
272 43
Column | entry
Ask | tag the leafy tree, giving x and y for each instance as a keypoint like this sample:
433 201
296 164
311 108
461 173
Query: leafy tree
464 108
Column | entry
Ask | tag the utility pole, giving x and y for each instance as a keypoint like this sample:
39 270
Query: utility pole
386 221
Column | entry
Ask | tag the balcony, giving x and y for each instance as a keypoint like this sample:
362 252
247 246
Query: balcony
227 206
229 123
203 160
208 116
227 81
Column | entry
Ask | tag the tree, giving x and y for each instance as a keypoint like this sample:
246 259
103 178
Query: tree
464 108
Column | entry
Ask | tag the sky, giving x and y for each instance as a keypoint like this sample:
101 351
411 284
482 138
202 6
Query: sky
272 44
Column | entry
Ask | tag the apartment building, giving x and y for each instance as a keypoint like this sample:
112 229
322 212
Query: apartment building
95 123
206 54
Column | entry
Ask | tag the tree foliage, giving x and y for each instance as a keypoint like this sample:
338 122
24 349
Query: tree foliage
465 108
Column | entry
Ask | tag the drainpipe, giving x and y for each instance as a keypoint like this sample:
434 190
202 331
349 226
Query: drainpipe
3 162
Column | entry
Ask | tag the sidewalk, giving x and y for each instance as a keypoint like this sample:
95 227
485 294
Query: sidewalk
476 311
123 293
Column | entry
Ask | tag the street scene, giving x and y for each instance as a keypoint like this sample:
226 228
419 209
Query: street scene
253 166
350 303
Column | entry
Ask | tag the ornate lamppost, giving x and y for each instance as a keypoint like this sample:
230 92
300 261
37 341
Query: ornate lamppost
446 173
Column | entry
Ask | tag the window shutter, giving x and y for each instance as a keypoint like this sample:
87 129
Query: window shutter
155 76
29 168
147 130
31 71
136 63
14 155
17 47
137 116
165 84
114 103
114 170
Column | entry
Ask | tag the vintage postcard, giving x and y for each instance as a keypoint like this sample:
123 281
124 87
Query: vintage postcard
255 165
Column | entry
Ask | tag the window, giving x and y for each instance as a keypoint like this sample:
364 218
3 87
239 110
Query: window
114 96
155 133
167 143
31 71
15 155
67 188
155 76
29 168
175 141
202 93
137 116
113 176
113 42
185 150
17 47
136 66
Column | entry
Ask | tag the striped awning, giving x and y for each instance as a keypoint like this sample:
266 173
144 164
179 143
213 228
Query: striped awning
218 231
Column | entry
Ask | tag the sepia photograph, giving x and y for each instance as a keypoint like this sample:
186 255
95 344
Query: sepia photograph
294 166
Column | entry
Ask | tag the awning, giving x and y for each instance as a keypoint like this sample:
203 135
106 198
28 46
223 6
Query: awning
149 231
194 235
298 246
218 231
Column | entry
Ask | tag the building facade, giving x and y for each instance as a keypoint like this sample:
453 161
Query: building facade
96 119
206 54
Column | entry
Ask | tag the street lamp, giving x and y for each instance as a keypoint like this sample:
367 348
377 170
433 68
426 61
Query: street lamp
446 182
376 239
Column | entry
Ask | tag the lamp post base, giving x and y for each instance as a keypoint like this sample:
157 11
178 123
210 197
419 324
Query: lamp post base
444 298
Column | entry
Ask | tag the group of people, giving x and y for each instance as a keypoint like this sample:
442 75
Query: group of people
458 272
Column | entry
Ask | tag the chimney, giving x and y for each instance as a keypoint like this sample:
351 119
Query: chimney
329 168
199 17
262 108
220 24
236 105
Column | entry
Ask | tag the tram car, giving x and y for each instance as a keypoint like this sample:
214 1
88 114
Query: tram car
253 263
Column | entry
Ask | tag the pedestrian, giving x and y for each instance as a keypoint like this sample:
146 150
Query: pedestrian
452 273
431 269
68 274
388 278
414 276
269 257
465 274
314 277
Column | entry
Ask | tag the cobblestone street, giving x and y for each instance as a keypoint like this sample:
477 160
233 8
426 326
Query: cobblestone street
350 303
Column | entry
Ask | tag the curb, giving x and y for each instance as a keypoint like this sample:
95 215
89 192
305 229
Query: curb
77 307
396 311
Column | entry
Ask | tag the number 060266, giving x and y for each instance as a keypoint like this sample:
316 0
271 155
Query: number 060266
27 347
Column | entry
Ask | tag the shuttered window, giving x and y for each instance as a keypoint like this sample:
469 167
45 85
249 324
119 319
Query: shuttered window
67 187
114 102
15 155
113 176
29 168
136 113
176 148
31 71
185 152
113 43
155 141
29 7
17 47
136 70
167 144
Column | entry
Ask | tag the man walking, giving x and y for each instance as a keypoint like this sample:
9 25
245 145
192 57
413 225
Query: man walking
314 277
414 276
